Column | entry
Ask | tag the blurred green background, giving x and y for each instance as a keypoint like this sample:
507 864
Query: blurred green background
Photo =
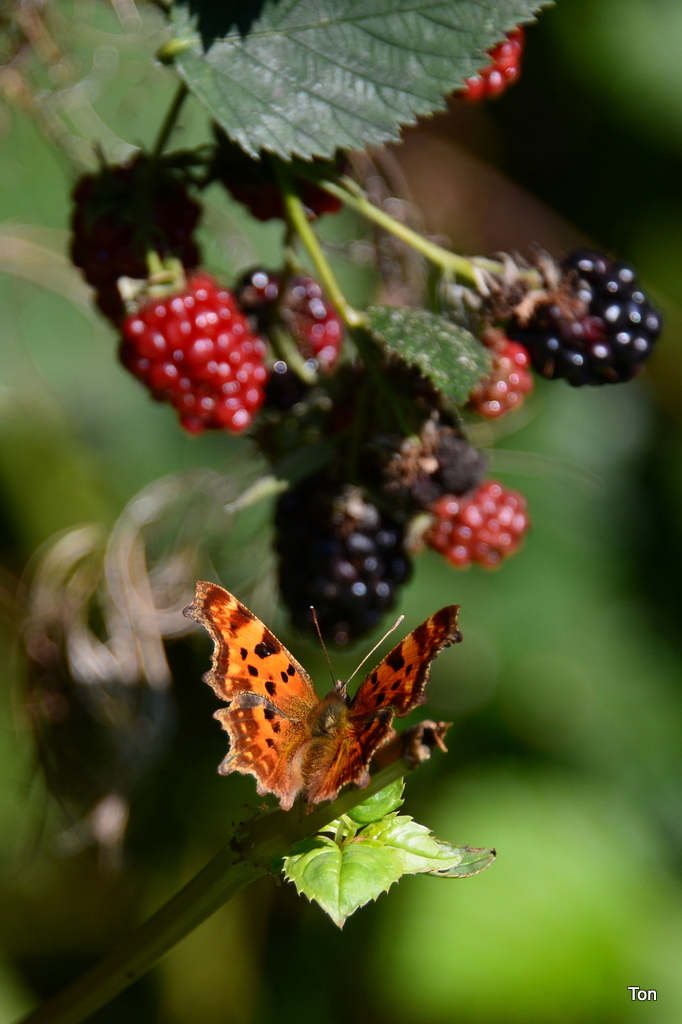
566 753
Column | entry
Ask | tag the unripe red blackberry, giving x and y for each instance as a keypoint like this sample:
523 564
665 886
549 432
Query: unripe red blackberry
312 321
339 553
503 71
509 382
195 350
307 314
120 215
597 326
251 182
485 527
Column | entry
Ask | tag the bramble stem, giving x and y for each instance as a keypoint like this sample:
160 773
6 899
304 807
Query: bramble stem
462 266
169 120
299 222
249 856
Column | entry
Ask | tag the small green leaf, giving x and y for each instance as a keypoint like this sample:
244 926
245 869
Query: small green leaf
307 77
449 355
377 806
420 851
473 860
342 878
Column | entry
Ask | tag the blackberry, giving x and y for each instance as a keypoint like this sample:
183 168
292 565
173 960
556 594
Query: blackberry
437 463
339 553
122 213
312 321
257 292
598 327
510 380
486 527
194 349
251 182
284 388
303 308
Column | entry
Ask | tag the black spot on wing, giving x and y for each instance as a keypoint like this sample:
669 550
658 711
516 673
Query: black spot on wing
270 742
269 714
271 688
291 670
267 646
395 660
253 671
244 653
276 726
374 678
285 677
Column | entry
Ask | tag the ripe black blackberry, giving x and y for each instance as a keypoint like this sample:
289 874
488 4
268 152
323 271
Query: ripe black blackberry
339 553
598 327
284 388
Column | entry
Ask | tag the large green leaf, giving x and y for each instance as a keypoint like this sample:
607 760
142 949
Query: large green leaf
452 357
343 877
307 77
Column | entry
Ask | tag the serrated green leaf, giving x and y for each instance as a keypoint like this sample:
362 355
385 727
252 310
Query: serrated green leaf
377 806
307 77
448 354
342 878
420 851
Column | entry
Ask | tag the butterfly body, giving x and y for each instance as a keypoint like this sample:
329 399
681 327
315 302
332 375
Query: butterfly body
280 731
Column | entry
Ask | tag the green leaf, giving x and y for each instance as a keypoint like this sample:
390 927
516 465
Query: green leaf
420 851
307 77
377 806
452 357
342 878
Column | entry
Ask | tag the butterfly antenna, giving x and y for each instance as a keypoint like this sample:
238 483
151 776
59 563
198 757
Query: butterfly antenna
394 626
326 652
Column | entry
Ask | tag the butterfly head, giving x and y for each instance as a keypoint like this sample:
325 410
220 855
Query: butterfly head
330 715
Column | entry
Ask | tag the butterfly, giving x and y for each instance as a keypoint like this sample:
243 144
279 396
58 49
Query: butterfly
279 729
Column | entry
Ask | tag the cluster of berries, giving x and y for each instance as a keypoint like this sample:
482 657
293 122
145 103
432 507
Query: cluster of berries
472 519
596 326
503 70
201 347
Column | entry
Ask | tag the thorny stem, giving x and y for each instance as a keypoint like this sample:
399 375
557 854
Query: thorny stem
463 267
169 120
251 854
299 222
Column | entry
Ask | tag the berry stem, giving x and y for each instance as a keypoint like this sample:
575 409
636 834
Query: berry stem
169 120
252 852
300 224
467 269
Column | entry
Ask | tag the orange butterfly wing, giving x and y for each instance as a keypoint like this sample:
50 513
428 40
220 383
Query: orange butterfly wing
396 686
271 696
